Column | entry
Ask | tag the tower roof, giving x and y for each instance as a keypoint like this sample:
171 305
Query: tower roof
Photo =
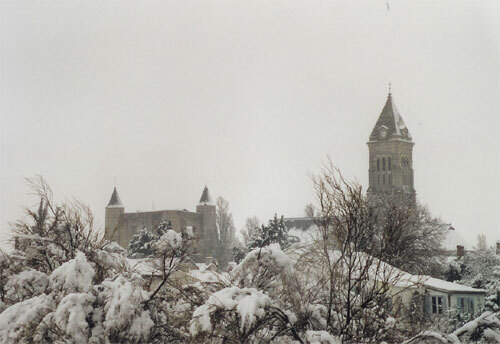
206 199
392 121
115 200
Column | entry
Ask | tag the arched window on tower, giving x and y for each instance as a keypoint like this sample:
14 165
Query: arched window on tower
378 164
389 163
383 164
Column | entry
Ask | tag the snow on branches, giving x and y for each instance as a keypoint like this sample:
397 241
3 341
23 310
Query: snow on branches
246 304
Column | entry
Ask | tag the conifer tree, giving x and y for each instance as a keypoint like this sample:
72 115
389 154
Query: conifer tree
141 244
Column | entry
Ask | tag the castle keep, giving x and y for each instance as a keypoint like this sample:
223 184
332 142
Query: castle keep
121 226
390 153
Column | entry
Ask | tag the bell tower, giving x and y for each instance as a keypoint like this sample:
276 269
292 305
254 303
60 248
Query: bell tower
390 149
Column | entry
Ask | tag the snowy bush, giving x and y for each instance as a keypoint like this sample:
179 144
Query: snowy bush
171 240
261 267
71 316
239 308
483 329
124 314
321 337
25 285
74 276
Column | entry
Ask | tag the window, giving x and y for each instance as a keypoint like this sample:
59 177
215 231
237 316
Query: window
383 164
465 304
390 179
378 179
461 304
437 305
383 178
378 165
389 164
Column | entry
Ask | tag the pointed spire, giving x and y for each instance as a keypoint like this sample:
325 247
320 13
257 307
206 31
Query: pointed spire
206 199
390 124
115 201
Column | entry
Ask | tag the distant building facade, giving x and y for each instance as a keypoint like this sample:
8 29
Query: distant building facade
121 226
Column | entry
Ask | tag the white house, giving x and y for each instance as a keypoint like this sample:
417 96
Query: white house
440 296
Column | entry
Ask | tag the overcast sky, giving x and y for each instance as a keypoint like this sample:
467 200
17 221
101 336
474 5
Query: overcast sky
248 97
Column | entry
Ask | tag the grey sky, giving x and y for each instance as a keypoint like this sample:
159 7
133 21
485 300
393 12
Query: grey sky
246 97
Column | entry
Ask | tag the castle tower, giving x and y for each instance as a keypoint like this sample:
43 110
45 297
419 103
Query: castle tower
113 217
206 207
390 153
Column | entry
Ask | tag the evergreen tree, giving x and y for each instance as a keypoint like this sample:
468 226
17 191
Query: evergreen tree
141 244
275 232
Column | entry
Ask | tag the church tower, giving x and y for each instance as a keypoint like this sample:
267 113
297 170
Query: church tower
390 153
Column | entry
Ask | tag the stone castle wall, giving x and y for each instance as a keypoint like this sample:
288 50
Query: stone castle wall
121 226
131 223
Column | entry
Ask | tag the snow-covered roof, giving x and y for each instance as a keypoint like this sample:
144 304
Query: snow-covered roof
382 271
205 273
438 284
143 266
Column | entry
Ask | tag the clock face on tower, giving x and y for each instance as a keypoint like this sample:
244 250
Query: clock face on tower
383 133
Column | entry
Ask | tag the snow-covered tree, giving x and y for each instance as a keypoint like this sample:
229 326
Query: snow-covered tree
64 284
226 231
142 243
406 234
356 285
275 232
252 224
309 210
478 269
482 243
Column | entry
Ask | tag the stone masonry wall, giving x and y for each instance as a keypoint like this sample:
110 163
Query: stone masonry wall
131 223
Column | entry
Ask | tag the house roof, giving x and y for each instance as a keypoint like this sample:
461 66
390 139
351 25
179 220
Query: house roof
382 271
445 286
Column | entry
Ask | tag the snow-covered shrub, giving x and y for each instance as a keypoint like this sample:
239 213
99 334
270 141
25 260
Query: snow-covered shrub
71 316
19 322
233 308
321 337
25 285
169 241
74 276
124 315
262 267
483 329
